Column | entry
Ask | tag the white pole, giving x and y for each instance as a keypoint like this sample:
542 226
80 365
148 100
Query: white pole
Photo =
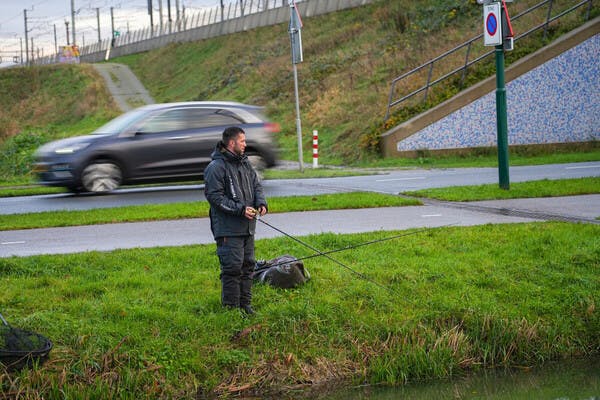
298 122
315 149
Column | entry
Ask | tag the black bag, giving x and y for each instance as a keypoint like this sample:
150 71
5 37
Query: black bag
283 272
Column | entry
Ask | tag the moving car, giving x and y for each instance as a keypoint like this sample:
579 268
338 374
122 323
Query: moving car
156 143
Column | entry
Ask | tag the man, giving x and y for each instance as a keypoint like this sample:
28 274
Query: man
235 195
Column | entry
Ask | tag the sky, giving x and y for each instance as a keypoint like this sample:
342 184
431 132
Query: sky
44 15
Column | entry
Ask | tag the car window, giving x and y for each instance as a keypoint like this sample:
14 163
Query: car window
187 118
121 122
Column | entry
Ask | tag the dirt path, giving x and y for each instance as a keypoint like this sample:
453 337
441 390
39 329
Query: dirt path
124 86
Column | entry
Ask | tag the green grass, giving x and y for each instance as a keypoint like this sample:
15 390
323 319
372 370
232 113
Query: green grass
479 158
152 212
542 188
147 323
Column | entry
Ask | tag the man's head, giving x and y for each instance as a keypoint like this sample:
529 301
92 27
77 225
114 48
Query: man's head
234 139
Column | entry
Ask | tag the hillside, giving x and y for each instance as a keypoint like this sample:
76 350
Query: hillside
350 59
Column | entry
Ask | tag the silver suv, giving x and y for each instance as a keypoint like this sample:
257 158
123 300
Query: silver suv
155 143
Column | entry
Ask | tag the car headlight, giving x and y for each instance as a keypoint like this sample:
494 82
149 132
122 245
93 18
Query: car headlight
71 149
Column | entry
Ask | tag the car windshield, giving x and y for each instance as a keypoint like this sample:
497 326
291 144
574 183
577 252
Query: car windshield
121 122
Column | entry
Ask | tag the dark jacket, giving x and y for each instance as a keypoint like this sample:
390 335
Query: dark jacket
231 185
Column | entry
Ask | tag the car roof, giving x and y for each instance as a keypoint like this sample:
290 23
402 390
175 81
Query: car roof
224 104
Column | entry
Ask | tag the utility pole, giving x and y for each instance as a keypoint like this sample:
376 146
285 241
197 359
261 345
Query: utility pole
177 16
150 12
98 20
73 20
169 13
160 15
295 32
112 28
26 40
55 41
67 26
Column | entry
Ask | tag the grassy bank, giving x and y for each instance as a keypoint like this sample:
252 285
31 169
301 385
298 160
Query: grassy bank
148 323
518 190
199 209
154 212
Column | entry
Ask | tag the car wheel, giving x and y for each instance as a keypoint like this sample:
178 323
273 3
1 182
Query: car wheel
258 163
101 177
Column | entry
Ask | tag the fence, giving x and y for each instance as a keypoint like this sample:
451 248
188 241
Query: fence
464 51
238 16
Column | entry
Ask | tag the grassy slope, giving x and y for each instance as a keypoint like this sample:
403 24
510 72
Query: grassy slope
56 99
351 56
43 103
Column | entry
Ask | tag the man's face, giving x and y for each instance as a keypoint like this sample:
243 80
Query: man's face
239 144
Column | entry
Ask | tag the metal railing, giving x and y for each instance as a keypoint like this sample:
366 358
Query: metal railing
428 67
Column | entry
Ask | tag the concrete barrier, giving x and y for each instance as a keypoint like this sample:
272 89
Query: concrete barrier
142 41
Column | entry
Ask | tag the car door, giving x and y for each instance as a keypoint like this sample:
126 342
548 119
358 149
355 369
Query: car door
176 142
205 125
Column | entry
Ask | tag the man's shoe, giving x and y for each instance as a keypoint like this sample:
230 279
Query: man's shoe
247 309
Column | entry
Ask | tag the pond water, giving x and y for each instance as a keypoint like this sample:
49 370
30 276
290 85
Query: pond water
565 380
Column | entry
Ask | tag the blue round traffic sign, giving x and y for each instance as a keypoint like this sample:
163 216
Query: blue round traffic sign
491 24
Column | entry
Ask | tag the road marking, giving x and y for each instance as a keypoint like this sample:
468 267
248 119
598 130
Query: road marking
584 167
8 243
431 215
400 179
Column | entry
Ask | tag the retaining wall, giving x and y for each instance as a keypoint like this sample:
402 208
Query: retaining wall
553 96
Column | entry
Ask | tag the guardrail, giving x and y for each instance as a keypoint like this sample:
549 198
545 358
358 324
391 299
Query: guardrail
467 48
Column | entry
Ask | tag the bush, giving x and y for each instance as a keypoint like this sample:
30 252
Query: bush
16 155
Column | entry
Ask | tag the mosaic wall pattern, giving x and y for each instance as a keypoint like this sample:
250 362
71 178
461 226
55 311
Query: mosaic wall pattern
557 102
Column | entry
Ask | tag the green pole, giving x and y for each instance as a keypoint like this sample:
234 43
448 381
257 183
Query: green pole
501 120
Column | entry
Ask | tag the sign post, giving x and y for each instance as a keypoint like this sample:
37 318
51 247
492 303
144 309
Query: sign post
295 30
498 32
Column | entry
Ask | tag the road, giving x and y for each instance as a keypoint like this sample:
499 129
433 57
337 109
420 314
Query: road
197 231
392 182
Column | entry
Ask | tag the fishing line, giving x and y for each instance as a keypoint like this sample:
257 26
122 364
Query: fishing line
364 244
320 253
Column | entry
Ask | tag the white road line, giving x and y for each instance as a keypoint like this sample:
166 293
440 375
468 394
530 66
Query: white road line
400 179
584 167
431 215
9 243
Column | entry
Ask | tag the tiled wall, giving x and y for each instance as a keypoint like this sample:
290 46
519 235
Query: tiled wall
557 102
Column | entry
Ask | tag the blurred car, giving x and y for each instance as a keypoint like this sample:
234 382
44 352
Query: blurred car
155 143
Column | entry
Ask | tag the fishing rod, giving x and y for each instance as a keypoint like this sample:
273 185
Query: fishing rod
324 254
363 244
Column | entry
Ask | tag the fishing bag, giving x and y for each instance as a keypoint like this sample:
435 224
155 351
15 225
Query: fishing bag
283 272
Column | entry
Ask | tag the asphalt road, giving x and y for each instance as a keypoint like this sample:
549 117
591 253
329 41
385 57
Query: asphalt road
392 182
197 231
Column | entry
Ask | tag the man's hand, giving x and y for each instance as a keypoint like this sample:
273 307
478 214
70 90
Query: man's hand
262 210
250 213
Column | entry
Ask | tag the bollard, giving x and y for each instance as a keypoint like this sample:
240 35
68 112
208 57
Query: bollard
315 149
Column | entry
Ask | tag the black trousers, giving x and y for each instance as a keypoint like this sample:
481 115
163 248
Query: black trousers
236 255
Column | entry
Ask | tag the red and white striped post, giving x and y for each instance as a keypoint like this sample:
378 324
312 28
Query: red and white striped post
315 149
